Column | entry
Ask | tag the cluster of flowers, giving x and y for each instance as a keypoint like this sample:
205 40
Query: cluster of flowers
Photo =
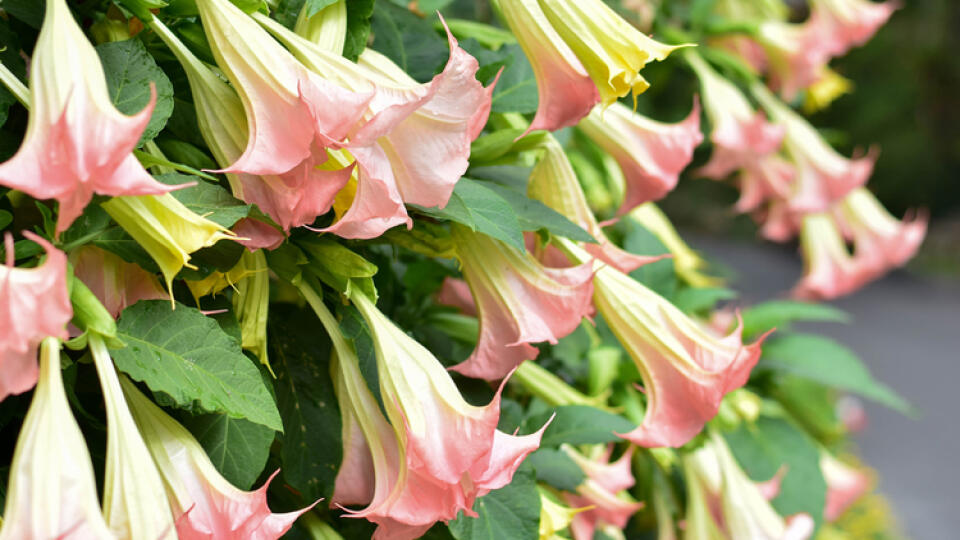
300 131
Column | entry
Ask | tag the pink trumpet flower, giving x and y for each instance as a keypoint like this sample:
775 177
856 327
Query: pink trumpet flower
34 304
797 54
845 485
850 23
554 183
52 492
518 300
115 282
652 154
77 143
830 271
686 369
437 453
565 90
881 241
602 492
207 506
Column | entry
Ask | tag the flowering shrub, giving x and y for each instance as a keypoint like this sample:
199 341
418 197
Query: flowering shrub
342 269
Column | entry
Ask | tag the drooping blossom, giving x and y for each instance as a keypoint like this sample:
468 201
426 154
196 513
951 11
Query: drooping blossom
554 516
51 492
565 90
651 154
687 263
554 183
797 54
421 132
602 492
251 303
850 23
166 229
77 143
610 49
205 504
34 304
115 282
830 271
823 176
845 485
519 301
134 503
725 503
881 241
254 234
434 456
743 140
686 369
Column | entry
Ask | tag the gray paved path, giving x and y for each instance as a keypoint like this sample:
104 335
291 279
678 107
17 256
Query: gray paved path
907 329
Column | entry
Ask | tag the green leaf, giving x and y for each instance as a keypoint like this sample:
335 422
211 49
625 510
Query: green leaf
238 448
780 313
533 215
6 218
211 201
695 300
579 424
830 363
408 40
312 450
11 59
28 11
314 6
509 513
516 90
130 70
184 354
116 240
556 468
763 447
358 27
477 206
659 276
339 267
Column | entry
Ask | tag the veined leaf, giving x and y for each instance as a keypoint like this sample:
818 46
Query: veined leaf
780 313
477 206
579 424
534 215
238 448
211 201
130 71
509 513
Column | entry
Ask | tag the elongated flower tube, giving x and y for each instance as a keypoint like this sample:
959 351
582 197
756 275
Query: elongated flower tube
327 27
823 176
850 23
134 503
519 301
384 466
206 504
52 492
34 304
554 183
565 90
744 512
845 485
77 143
830 271
797 54
293 198
251 303
611 50
881 241
686 369
652 154
166 229
115 282
687 263
603 490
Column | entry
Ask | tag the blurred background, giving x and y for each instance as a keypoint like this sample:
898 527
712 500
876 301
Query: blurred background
907 326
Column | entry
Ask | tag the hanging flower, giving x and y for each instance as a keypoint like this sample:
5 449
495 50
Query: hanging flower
797 54
565 90
518 300
52 492
731 502
881 241
133 492
166 229
206 504
604 491
686 369
611 50
34 304
830 270
554 183
554 516
115 282
652 154
845 485
251 303
77 143
850 23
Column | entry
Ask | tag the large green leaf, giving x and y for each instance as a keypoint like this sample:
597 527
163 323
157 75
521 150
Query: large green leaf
830 363
358 27
509 513
556 468
411 42
187 356
211 201
238 448
533 215
764 447
579 424
659 276
130 71
477 206
516 90
780 313
300 352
